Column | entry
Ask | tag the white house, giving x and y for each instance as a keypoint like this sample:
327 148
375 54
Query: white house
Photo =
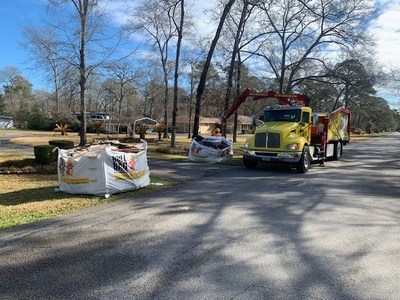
6 122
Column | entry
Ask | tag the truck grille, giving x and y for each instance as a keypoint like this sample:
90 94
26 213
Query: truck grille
267 140
274 140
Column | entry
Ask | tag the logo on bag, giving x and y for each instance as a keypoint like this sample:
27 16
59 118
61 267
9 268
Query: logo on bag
198 152
69 168
66 168
119 164
132 163
126 168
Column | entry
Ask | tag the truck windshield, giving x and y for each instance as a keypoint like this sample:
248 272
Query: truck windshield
287 115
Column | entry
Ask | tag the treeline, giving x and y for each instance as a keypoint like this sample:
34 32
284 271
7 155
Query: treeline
157 63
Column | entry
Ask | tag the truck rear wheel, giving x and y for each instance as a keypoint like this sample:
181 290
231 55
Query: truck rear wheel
337 151
304 164
249 163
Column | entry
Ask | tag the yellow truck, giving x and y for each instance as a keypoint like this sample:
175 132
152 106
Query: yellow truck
292 134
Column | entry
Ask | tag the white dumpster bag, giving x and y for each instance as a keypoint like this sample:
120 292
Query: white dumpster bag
102 171
210 149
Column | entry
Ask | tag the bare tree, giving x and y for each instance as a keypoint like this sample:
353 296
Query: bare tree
191 62
119 88
123 76
44 50
238 33
77 40
156 19
150 88
7 74
203 76
299 34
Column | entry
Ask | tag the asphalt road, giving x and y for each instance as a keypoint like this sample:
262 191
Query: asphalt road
225 233
9 147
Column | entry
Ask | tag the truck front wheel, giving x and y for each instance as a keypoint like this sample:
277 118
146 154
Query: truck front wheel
249 163
337 151
304 164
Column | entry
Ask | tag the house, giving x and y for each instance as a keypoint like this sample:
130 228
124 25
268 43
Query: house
6 122
208 124
244 125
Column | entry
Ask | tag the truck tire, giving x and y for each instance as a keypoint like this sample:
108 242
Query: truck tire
249 163
337 151
304 164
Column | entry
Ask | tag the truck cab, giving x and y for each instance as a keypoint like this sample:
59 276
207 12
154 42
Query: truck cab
283 136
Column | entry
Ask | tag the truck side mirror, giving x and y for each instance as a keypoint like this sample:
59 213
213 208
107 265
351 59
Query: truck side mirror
315 119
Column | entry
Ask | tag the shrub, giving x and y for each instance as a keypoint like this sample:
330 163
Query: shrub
160 129
44 154
169 150
21 117
73 122
62 144
37 120
34 118
355 130
166 150
141 129
97 126
63 128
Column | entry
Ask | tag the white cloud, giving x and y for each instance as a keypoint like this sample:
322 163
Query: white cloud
202 17
386 31
118 10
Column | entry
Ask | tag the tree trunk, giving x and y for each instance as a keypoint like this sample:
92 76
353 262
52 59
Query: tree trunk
232 63
166 101
190 121
235 127
178 51
203 77
82 8
238 79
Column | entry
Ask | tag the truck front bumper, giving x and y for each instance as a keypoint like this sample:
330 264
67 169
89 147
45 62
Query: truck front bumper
269 156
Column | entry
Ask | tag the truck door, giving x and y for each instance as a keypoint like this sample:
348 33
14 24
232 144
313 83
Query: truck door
306 125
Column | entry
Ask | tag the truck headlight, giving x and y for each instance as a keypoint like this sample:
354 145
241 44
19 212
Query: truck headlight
292 147
246 146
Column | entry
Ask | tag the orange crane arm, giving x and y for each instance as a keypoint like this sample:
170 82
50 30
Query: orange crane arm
285 99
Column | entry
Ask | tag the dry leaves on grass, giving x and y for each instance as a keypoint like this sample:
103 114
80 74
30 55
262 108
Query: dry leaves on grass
14 183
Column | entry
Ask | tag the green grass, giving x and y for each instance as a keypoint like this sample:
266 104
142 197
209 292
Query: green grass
26 198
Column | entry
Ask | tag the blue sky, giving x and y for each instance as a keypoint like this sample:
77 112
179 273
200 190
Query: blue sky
16 14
